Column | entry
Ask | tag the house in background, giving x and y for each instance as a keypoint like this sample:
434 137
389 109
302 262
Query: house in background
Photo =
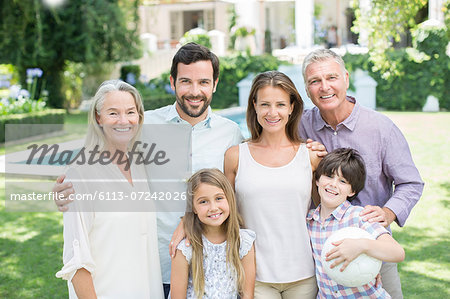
163 23
286 28
169 20
275 24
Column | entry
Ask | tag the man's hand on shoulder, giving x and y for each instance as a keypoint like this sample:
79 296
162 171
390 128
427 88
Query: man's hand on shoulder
317 147
384 216
178 235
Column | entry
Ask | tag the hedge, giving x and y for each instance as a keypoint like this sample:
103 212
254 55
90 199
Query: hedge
50 116
130 73
157 101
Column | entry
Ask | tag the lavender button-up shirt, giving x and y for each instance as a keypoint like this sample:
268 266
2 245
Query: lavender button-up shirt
393 180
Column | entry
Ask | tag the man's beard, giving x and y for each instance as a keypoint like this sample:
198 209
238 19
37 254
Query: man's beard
190 112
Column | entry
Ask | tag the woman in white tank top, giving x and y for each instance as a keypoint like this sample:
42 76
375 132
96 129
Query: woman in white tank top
272 176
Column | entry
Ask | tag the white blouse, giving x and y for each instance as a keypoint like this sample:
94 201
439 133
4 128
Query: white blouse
119 249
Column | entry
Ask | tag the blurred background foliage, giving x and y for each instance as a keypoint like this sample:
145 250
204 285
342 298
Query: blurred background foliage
91 32
421 70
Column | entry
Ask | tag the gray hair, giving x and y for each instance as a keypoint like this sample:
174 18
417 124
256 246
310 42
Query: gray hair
321 55
95 135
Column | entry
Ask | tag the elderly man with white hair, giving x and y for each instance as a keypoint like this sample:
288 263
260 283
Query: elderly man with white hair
393 184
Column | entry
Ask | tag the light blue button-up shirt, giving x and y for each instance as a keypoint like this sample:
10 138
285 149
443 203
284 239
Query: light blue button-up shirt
210 139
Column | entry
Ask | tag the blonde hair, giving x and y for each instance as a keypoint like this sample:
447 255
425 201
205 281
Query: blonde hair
95 135
194 228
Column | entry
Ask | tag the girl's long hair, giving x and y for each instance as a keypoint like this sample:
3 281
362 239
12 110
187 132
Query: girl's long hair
194 228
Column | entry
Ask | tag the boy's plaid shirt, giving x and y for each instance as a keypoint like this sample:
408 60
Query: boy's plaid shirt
345 215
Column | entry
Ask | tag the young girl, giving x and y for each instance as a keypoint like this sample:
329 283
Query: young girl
220 262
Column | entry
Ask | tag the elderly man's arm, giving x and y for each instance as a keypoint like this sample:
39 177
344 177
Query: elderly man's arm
408 185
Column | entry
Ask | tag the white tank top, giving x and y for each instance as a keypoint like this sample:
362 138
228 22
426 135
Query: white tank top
274 202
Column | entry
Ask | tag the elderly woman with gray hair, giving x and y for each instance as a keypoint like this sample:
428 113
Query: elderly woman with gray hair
111 254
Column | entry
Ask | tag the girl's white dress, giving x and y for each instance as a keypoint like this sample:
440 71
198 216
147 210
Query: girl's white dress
220 280
119 249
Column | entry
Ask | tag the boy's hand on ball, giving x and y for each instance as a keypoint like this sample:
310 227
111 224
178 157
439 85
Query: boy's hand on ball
378 280
345 251
353 253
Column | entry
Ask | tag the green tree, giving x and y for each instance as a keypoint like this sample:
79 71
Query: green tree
87 31
385 22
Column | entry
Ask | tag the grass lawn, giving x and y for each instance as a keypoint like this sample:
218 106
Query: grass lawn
31 243
425 237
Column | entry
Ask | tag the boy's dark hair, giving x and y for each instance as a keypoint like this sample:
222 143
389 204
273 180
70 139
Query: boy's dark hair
192 52
351 164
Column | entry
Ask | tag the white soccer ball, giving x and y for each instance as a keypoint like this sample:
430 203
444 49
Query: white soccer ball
361 270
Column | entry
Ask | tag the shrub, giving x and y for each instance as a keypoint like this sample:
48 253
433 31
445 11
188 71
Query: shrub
235 68
422 71
156 101
157 92
431 40
20 108
49 116
196 36
130 73
22 105
73 84
245 31
21 100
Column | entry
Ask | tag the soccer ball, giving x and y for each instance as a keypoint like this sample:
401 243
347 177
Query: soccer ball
361 270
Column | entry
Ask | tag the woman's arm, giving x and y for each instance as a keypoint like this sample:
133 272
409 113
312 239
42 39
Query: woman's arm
179 276
83 284
384 248
248 262
231 163
77 258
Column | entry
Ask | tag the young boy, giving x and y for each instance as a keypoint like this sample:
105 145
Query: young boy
339 178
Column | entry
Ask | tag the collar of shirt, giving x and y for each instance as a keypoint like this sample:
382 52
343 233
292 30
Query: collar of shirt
174 117
349 122
338 213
